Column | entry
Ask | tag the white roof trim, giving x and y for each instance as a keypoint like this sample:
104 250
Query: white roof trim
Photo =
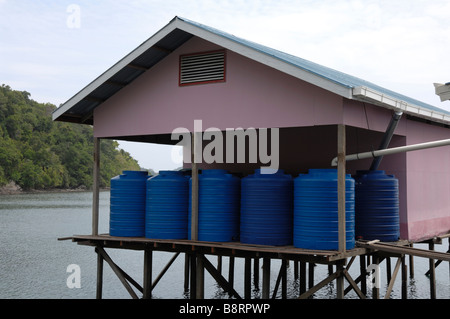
365 93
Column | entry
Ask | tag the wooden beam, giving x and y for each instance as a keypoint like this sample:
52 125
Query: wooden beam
393 277
321 284
96 187
119 272
218 277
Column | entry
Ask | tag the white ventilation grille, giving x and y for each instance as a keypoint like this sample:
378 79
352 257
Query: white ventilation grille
202 68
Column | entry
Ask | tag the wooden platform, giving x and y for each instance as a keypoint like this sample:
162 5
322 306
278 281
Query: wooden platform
236 249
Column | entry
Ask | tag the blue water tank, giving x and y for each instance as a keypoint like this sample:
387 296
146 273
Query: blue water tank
218 206
167 202
316 210
127 204
266 208
377 206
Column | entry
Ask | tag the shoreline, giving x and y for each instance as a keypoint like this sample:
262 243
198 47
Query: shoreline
14 189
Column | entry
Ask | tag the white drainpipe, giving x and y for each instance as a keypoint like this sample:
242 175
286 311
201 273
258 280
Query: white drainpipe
393 150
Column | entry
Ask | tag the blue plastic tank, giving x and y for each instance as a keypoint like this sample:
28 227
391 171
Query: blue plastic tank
127 204
266 208
316 210
377 206
218 206
167 201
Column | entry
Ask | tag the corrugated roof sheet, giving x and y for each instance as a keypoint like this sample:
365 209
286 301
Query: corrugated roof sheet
330 74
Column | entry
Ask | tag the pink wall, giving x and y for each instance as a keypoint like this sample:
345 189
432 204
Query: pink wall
428 182
250 97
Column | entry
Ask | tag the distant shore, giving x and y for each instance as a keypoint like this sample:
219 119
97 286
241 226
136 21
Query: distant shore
13 189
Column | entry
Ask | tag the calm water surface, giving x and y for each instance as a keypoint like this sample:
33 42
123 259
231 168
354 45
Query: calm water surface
33 263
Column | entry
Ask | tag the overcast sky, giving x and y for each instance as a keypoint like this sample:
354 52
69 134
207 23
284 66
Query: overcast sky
398 44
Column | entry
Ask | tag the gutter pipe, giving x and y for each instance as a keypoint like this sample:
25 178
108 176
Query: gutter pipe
386 139
393 150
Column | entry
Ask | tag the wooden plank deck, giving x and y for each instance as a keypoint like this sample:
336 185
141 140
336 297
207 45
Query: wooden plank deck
216 248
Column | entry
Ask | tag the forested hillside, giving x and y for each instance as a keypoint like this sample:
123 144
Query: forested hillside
37 153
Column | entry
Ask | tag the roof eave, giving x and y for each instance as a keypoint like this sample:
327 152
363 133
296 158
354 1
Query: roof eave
60 112
366 94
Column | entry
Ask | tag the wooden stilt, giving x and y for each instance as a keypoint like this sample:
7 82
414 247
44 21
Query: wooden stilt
231 271
248 278
99 292
266 278
284 265
432 274
363 273
411 264
219 264
295 270
388 269
339 280
148 269
302 277
186 272
256 273
404 278
311 275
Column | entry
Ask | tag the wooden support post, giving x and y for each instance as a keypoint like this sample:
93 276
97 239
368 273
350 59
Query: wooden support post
302 277
256 273
295 269
363 273
375 288
219 264
311 275
404 279
284 265
148 269
266 278
247 278
231 271
186 272
341 187
96 186
432 274
99 292
340 279
411 264
388 269
392 280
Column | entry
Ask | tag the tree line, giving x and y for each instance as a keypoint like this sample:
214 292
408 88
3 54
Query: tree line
38 153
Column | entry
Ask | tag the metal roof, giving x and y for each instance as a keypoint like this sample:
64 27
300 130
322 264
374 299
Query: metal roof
80 107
